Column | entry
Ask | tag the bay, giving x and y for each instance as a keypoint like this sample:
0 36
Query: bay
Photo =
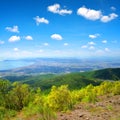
11 64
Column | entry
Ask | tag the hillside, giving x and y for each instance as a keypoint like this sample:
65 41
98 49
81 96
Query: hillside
107 108
61 97
105 74
110 74
74 80
22 102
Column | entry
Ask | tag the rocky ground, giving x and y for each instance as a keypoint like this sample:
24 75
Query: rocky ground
108 108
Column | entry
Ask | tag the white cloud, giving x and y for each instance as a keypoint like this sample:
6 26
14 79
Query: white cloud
28 37
66 44
92 14
113 8
56 8
89 13
14 38
56 37
46 44
91 47
1 42
102 52
107 49
41 20
40 51
16 49
91 43
12 29
99 52
108 18
104 41
94 36
84 46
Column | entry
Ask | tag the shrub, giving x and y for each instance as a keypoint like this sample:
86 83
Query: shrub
60 98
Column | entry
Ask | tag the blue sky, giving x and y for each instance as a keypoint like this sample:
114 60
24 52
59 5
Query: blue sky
59 28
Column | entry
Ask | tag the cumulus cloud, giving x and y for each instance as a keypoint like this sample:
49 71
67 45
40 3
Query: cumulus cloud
12 29
46 44
91 47
41 20
56 37
40 51
1 42
84 46
89 13
113 8
100 52
66 44
92 14
94 36
56 8
108 18
28 37
107 49
91 43
14 38
16 49
104 41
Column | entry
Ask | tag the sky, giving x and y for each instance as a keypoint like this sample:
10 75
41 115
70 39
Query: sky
59 28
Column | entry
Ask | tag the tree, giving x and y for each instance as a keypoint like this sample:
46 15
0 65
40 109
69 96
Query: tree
4 88
19 96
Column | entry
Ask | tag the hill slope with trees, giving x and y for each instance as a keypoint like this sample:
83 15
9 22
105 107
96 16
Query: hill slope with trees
73 80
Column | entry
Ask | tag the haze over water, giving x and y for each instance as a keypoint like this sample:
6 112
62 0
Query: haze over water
11 64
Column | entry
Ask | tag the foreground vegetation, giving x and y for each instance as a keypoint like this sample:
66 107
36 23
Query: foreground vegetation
18 98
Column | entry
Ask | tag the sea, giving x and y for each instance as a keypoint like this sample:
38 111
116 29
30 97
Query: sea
11 64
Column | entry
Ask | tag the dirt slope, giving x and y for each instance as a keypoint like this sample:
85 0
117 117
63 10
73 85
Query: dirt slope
108 108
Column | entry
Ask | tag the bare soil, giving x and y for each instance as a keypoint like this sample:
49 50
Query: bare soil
107 108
